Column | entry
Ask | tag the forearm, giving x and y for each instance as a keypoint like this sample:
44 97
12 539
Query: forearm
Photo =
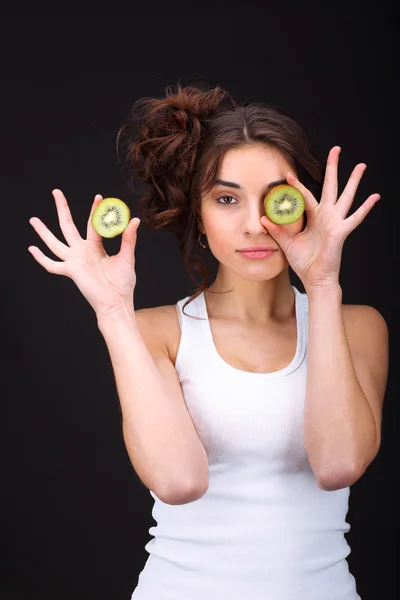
338 421
158 431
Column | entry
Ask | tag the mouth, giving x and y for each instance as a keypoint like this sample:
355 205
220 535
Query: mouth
258 249
257 253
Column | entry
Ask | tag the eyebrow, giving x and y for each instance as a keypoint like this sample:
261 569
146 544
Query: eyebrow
232 184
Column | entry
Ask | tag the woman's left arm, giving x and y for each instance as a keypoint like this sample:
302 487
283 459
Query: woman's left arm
346 381
347 362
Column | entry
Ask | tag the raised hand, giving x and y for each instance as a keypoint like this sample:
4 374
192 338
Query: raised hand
107 282
315 253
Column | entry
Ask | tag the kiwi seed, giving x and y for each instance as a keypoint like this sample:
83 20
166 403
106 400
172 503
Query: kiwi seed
111 217
284 204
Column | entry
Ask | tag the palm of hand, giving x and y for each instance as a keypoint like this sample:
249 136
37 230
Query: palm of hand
106 281
320 239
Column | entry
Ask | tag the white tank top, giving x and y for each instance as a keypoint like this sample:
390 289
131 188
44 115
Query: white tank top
264 530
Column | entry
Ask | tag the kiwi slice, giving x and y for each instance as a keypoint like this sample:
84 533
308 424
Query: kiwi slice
284 204
111 217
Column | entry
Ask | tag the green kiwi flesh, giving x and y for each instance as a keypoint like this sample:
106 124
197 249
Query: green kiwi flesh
284 204
111 217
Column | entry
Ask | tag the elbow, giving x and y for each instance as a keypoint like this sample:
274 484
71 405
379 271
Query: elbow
338 481
184 495
338 478
190 489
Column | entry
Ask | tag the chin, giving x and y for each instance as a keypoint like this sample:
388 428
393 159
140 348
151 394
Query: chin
265 276
259 272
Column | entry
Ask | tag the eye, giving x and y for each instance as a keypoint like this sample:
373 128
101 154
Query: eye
225 203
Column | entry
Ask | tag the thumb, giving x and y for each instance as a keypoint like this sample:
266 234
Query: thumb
128 242
275 230
278 232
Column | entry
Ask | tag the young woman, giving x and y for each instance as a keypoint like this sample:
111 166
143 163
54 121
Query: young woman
249 408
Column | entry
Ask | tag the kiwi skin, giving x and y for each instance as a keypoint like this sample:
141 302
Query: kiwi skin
284 204
111 217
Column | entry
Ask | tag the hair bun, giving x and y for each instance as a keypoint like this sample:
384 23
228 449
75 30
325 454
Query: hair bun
165 133
193 106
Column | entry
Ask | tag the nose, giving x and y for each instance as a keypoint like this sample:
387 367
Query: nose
252 220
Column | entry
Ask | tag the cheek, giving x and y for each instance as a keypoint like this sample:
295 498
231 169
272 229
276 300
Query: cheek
219 236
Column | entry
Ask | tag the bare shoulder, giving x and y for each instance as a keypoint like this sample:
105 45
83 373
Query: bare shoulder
367 332
160 327
360 320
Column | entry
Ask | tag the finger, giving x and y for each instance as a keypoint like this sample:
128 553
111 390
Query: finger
330 187
278 232
91 233
67 224
359 215
128 242
347 198
309 201
57 247
51 266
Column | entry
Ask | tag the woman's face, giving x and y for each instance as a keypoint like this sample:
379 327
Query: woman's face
231 215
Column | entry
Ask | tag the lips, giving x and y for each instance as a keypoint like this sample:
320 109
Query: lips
257 249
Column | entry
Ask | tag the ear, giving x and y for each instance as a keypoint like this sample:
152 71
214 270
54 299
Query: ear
200 227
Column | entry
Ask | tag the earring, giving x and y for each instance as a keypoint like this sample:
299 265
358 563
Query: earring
200 241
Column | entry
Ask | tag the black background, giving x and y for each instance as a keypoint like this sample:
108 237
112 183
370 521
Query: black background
75 517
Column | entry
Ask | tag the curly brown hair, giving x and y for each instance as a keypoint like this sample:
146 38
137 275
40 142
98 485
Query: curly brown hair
175 144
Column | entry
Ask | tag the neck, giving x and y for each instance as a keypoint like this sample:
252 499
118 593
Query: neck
252 303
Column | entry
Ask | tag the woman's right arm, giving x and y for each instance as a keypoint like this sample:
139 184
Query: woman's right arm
159 434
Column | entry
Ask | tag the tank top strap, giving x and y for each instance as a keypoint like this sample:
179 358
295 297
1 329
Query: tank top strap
195 309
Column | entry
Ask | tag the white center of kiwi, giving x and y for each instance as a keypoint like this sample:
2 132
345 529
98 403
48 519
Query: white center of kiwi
112 217
286 205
